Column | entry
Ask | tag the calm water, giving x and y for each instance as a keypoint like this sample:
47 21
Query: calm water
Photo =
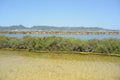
90 36
58 67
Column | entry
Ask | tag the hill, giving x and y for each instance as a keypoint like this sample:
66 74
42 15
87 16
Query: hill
20 27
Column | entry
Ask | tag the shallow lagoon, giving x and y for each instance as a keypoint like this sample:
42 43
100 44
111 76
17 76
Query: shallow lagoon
80 36
48 66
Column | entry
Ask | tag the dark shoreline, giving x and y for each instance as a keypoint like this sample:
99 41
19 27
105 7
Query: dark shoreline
37 53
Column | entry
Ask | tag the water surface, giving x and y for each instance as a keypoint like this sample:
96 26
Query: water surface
80 36
58 67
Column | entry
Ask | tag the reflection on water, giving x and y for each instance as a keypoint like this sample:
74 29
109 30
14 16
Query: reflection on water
85 36
16 67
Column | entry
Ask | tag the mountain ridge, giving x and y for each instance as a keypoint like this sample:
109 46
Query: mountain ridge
39 27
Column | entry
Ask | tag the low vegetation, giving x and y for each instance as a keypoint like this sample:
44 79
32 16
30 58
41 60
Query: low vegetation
53 43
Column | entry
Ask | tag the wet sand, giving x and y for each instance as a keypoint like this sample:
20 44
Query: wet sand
16 67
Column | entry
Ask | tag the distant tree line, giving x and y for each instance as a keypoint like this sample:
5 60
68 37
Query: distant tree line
53 43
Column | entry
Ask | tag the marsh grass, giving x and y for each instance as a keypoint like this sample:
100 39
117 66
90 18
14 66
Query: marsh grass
53 43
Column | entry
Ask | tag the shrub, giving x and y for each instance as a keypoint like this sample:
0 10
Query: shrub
54 43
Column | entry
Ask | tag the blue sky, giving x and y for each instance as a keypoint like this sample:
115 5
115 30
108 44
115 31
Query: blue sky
88 13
